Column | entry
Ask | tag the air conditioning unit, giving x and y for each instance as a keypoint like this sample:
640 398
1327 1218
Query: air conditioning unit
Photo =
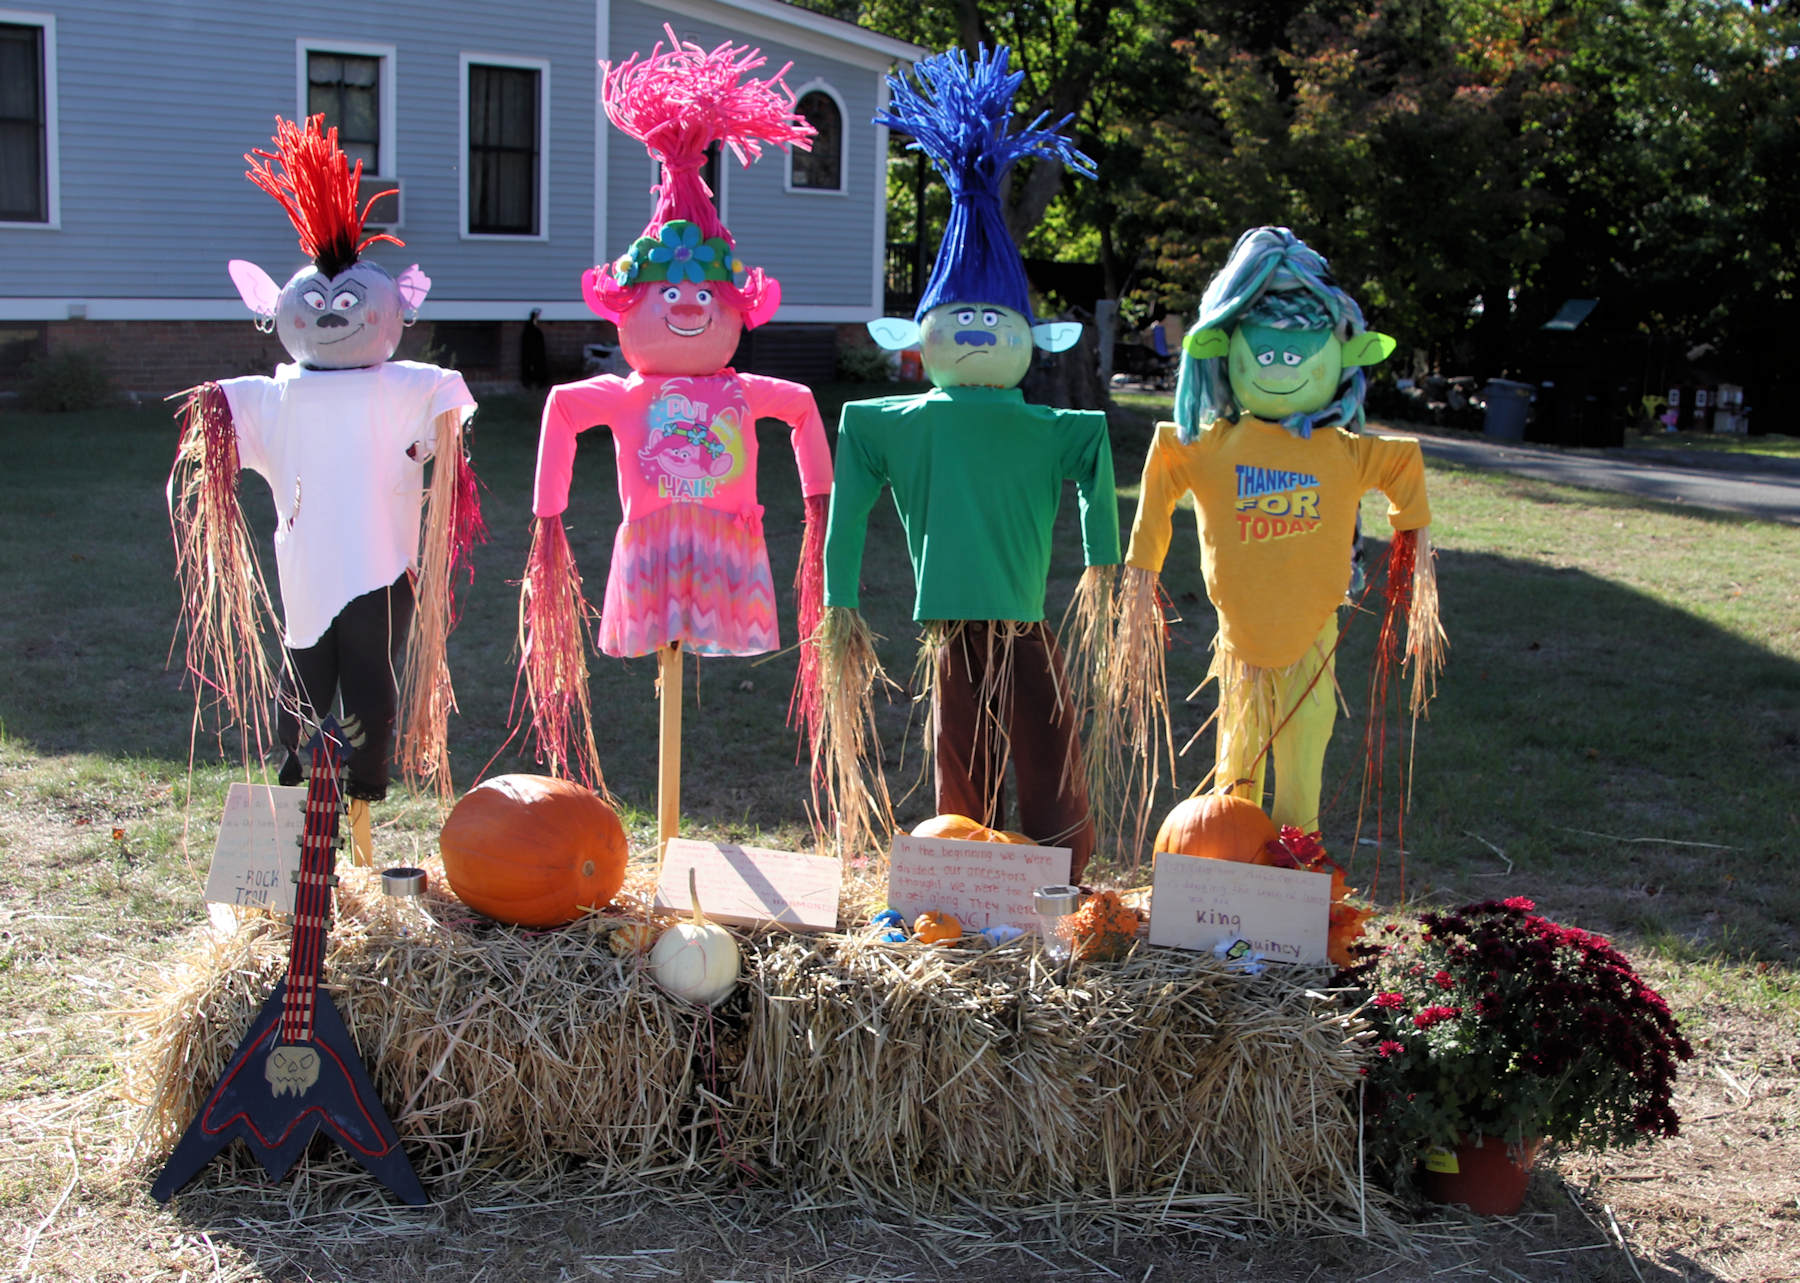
389 212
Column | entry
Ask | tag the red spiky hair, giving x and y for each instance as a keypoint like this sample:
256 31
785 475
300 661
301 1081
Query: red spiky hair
678 103
317 187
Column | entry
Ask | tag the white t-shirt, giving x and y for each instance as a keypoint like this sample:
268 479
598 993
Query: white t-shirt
333 446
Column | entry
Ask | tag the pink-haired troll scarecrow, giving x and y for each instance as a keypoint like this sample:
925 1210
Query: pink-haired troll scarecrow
342 435
689 565
1270 392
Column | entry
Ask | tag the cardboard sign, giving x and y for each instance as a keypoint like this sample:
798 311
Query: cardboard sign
1283 914
751 886
984 884
258 849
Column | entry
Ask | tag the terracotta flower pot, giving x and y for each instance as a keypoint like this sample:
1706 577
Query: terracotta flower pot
1484 1174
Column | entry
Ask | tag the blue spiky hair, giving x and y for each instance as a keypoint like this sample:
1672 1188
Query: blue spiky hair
1276 279
961 117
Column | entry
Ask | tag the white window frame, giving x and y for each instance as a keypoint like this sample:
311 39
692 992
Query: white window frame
465 60
46 22
843 188
387 157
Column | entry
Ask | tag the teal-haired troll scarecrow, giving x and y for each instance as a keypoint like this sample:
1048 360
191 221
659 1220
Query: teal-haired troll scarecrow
1269 397
977 475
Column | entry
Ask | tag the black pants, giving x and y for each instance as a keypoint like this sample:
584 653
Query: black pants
358 659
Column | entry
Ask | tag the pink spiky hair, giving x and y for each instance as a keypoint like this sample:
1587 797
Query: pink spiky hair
680 102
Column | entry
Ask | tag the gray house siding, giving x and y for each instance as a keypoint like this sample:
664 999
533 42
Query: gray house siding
821 247
159 101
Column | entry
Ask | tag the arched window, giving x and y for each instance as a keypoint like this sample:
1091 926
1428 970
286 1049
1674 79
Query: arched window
822 168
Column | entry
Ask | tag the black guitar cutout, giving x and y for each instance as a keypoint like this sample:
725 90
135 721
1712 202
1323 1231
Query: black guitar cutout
298 1072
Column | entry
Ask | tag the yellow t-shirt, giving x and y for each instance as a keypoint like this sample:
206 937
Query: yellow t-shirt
1277 513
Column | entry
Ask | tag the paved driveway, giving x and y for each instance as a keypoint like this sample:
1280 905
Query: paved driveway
1754 485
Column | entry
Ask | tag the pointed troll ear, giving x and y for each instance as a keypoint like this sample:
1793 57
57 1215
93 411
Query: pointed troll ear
1056 336
259 292
1204 344
414 286
893 333
1368 348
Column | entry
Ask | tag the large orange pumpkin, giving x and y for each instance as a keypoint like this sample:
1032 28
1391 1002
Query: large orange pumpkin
533 850
1218 826
960 828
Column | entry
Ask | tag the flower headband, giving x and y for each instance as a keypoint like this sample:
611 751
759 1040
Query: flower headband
676 253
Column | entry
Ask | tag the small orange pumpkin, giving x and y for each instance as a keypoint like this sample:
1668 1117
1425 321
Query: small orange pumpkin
960 828
1218 826
533 850
1103 927
936 928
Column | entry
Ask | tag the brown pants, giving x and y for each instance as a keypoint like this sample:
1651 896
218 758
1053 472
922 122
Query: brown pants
999 695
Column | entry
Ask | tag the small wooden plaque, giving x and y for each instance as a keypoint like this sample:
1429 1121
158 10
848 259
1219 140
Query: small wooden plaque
1197 903
984 884
258 849
752 886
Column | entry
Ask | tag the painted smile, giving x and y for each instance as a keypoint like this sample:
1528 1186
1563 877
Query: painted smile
1273 391
684 333
340 338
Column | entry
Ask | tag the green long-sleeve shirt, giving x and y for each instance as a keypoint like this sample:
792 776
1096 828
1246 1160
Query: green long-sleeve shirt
977 475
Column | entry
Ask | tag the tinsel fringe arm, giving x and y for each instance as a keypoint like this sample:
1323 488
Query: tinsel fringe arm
553 617
809 603
225 601
453 526
1134 737
848 749
1085 637
1426 641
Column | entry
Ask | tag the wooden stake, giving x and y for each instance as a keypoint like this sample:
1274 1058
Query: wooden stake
668 765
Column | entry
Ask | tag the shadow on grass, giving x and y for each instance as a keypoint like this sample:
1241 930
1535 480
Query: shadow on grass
1626 763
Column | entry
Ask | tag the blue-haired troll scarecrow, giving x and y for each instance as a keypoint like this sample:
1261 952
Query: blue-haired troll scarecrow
1269 397
977 475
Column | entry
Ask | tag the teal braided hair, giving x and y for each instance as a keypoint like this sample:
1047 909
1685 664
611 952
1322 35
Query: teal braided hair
1272 278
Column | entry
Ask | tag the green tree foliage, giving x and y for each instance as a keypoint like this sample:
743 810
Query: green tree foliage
1467 165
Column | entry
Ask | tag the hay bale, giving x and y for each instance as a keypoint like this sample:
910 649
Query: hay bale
1161 1089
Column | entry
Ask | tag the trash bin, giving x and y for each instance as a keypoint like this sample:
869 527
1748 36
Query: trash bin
1507 406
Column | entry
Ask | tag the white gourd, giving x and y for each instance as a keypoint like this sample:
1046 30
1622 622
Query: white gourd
696 960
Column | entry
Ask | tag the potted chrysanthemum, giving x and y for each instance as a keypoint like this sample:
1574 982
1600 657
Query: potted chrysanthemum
1494 1030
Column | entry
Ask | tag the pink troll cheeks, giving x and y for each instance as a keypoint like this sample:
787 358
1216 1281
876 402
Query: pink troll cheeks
691 328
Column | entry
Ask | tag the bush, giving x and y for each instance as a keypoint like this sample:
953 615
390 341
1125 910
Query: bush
864 363
73 380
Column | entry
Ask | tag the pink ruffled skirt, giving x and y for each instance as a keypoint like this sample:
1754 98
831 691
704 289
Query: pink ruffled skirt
694 575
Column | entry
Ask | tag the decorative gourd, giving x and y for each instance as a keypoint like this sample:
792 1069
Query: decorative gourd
936 928
632 937
1102 928
960 828
1218 826
697 960
533 850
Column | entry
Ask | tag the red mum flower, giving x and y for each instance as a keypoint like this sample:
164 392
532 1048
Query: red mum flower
1436 1016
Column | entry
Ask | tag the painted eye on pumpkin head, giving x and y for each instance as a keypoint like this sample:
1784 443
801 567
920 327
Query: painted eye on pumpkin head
966 316
344 302
703 297
314 299
671 295
1266 357
1291 358
990 319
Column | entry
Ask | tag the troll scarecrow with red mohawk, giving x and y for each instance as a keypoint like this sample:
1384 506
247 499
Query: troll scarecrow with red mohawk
342 435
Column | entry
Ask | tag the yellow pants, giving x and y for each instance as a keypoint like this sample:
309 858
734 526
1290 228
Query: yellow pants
1253 702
